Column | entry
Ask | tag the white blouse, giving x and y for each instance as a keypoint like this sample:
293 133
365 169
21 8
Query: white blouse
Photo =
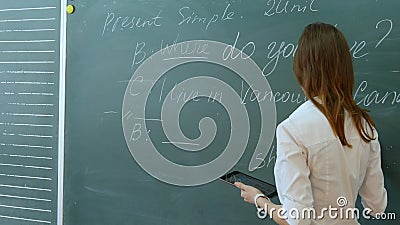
314 172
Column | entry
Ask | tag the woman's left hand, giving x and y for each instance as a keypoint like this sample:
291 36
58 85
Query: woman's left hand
247 192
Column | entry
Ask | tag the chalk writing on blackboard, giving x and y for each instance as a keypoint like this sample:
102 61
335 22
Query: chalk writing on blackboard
179 53
189 16
275 7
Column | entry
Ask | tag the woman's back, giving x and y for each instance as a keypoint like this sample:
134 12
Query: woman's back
315 170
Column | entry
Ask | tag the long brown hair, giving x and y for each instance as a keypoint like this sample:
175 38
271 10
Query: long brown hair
323 67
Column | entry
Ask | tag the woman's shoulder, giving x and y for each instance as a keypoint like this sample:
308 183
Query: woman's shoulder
308 124
306 113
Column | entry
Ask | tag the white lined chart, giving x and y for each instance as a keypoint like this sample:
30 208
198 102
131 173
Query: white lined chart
29 65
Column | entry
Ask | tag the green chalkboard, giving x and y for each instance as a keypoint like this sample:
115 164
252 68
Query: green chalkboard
29 97
162 97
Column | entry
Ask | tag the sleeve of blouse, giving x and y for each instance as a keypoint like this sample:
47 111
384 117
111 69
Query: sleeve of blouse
292 175
372 191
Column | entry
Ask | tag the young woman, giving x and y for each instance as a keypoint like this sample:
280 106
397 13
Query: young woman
327 149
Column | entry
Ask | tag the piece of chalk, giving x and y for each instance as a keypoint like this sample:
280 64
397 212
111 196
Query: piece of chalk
70 9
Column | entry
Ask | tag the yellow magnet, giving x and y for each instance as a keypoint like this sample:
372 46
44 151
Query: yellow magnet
70 9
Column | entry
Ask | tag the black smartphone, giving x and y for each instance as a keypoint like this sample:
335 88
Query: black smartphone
267 189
